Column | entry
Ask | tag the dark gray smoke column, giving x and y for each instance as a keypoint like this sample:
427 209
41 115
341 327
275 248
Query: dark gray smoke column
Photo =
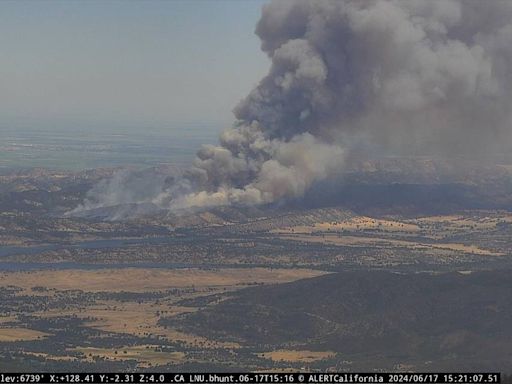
427 76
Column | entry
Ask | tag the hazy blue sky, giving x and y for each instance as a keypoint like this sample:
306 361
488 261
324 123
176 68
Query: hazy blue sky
104 64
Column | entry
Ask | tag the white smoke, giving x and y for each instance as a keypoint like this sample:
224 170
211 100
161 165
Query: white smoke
420 77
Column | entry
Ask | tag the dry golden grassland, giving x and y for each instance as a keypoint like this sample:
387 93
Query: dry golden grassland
7 319
297 356
362 231
8 334
476 220
142 320
471 221
352 224
151 279
139 317
49 357
362 241
146 355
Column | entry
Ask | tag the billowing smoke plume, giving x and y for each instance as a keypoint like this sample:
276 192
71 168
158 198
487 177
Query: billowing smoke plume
415 77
